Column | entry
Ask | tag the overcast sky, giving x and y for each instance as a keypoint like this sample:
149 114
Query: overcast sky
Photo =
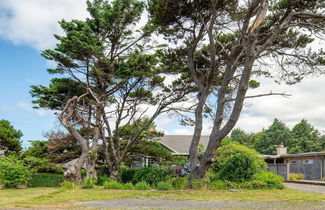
27 27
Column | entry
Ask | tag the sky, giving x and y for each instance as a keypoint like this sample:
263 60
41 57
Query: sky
27 28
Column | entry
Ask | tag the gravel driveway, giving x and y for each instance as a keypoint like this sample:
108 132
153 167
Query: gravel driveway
173 204
307 187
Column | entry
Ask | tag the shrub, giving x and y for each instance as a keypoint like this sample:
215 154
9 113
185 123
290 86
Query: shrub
88 183
142 186
254 185
67 185
128 186
199 184
239 168
164 186
213 176
126 174
42 165
225 152
113 185
272 180
13 172
153 175
46 180
179 182
102 179
294 177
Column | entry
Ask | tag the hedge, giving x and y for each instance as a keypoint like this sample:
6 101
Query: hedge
46 180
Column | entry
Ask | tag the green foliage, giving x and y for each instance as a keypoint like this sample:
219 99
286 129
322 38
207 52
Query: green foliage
253 185
113 185
42 165
67 185
239 168
165 185
264 180
153 175
305 138
88 183
293 177
13 172
271 180
179 183
272 138
128 186
199 184
101 180
126 174
152 149
9 137
223 153
46 180
142 186
178 160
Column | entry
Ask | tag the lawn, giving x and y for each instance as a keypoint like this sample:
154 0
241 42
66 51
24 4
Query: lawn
60 198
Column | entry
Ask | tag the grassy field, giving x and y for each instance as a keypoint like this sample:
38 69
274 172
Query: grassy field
60 198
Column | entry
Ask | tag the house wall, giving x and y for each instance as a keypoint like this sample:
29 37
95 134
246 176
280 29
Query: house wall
279 169
310 171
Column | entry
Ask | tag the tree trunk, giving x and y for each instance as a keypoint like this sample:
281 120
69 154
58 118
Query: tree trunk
114 170
72 173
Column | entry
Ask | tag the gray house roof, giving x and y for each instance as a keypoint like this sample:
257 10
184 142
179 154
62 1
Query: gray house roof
180 144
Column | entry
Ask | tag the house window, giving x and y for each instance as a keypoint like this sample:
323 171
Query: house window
294 161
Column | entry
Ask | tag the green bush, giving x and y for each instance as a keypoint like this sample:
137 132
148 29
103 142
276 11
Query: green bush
199 184
253 185
240 167
153 175
225 152
113 185
46 180
128 186
67 185
42 165
294 177
164 186
272 180
142 186
13 172
179 183
102 179
126 174
213 176
88 183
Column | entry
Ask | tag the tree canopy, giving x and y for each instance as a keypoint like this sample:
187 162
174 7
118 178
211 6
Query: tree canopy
303 137
9 137
224 45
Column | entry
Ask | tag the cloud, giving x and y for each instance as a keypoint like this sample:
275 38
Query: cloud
22 105
307 101
33 22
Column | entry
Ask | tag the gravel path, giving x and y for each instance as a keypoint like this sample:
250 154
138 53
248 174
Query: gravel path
173 204
307 187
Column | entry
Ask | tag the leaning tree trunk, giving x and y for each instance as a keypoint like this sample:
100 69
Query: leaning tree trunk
72 173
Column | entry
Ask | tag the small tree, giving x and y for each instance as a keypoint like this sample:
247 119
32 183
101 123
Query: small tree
9 137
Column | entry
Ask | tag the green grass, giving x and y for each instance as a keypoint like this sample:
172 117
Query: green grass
59 198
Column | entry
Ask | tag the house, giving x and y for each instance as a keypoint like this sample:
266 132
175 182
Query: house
180 144
175 144
311 164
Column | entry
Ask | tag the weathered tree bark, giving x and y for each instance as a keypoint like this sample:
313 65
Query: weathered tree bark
68 113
